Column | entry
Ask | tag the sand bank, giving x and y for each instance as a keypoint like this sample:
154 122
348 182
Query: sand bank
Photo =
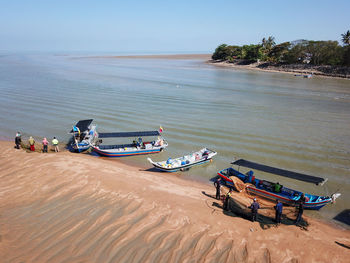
65 207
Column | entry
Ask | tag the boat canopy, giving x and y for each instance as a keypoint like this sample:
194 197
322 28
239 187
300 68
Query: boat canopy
83 125
281 172
128 134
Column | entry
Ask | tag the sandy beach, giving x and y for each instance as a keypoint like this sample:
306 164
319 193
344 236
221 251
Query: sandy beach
65 207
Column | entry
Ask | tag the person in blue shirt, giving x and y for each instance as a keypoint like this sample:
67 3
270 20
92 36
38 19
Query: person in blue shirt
278 208
254 208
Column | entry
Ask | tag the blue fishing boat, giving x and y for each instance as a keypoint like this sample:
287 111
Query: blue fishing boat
185 162
84 134
137 147
275 191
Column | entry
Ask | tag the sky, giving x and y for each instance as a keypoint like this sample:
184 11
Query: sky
160 26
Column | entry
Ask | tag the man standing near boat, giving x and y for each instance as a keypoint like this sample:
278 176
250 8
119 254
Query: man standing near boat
254 207
278 208
217 186
300 209
227 198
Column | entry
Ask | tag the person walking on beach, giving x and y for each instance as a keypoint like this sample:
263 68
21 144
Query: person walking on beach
31 143
217 186
254 208
18 140
55 144
278 207
45 144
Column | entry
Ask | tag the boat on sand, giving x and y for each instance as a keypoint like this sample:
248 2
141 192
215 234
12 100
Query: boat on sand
275 191
84 134
185 162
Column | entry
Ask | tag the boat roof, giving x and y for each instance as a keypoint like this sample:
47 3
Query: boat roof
128 134
83 125
281 172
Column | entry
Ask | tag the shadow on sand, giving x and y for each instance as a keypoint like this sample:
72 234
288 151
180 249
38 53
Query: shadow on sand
343 217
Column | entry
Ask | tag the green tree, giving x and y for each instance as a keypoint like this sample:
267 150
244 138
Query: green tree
266 46
252 52
346 55
325 52
297 53
221 52
278 52
346 38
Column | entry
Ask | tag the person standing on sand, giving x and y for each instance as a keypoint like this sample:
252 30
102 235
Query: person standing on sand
254 207
227 197
55 144
217 186
31 143
45 144
18 140
278 207
300 211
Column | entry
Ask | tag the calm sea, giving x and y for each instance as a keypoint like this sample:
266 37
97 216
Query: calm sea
276 119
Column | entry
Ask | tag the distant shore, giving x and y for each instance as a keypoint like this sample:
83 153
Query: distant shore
296 69
76 207
171 56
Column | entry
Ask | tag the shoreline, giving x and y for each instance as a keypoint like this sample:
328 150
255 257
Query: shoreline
288 69
65 206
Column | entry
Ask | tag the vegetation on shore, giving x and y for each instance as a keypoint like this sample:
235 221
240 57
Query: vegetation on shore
309 52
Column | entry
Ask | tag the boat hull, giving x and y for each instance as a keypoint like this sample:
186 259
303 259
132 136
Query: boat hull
182 168
80 148
185 162
125 153
287 196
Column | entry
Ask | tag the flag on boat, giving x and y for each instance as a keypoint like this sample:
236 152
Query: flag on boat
160 129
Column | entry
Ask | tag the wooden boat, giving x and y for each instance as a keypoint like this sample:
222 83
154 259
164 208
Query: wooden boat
185 162
137 147
268 189
84 134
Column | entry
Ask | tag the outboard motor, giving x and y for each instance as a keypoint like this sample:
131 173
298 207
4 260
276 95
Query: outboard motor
335 196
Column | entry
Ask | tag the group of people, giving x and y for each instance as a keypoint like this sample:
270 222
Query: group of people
31 142
255 206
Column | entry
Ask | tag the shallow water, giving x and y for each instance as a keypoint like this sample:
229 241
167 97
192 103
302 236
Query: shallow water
272 118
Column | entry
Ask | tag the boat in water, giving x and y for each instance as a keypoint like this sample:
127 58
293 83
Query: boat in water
275 191
136 147
84 134
185 162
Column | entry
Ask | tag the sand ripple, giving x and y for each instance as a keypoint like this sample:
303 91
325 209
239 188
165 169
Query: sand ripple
62 208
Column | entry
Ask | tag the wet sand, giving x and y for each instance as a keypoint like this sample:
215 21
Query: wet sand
64 207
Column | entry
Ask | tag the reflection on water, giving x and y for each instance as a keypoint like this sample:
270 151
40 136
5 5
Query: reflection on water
277 119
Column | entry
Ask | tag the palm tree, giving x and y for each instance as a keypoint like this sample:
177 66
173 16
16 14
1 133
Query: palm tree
346 38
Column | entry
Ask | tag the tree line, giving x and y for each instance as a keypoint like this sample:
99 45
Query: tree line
294 52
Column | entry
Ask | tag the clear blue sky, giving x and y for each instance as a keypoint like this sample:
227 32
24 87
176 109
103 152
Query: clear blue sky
161 26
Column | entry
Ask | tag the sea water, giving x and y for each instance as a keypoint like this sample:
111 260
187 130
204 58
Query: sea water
273 118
